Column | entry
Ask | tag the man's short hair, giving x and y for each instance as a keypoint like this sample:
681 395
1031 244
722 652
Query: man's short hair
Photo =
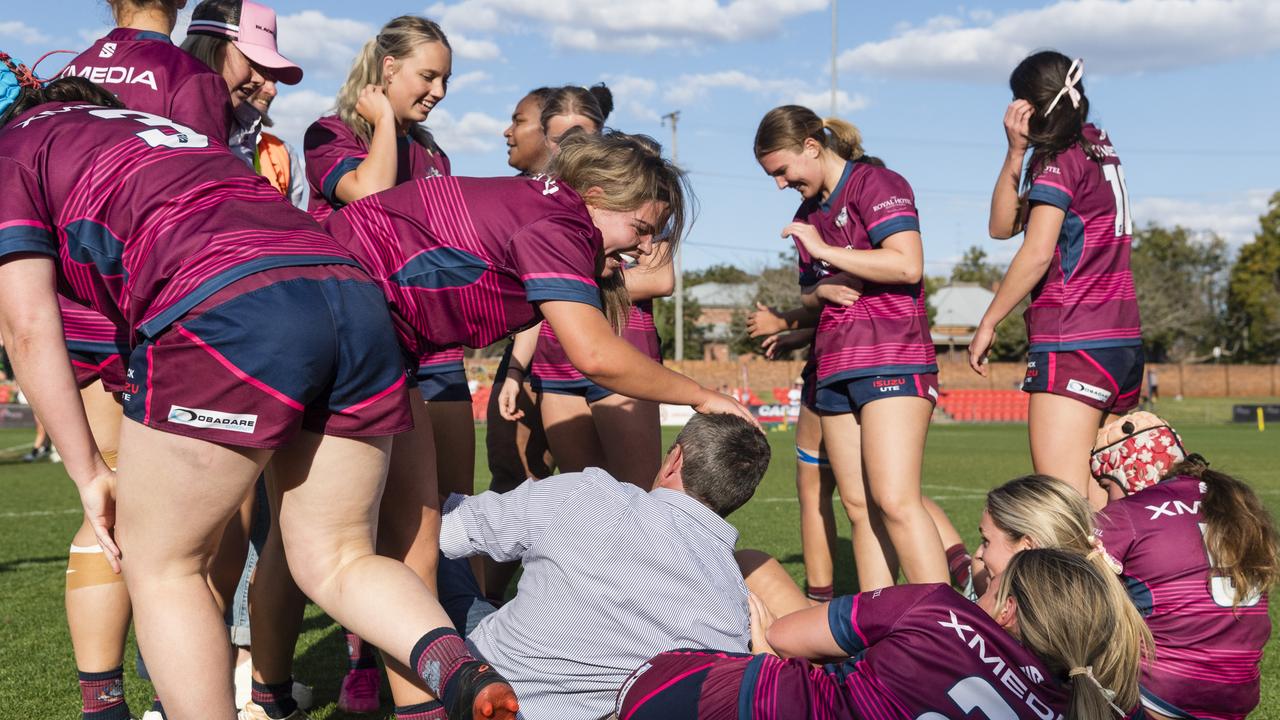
724 459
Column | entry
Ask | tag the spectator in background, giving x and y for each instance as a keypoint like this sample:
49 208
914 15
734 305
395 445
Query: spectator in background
275 159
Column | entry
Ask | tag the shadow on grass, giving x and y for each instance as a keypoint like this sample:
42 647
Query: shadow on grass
24 563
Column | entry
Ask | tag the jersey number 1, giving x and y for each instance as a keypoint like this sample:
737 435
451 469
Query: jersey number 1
1115 178
974 693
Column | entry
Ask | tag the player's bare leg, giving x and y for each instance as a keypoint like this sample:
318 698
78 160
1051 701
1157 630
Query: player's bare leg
815 489
1062 432
893 437
632 437
571 432
872 551
769 581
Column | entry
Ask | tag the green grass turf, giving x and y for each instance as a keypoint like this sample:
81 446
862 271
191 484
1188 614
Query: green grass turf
38 514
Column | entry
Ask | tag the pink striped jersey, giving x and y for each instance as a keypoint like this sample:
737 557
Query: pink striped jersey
149 73
463 260
144 216
920 648
1086 300
88 331
443 361
331 150
551 363
1207 651
886 332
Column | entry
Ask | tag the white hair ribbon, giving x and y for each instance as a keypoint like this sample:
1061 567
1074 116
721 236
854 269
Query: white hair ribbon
1074 74
1107 693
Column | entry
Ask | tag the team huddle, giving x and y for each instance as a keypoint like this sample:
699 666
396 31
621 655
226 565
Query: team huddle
243 351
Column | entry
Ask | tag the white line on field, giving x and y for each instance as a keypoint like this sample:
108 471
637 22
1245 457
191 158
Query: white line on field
39 513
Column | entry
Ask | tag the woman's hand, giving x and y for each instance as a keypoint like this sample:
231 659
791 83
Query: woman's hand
808 237
507 398
98 496
718 403
765 321
979 347
776 345
373 105
761 620
842 289
1017 119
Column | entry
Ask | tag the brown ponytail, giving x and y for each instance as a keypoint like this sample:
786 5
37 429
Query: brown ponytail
787 127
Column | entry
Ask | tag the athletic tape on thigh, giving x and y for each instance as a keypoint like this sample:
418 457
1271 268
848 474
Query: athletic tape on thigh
88 566
109 457
812 457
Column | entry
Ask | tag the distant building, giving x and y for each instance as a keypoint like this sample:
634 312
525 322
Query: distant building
959 307
719 301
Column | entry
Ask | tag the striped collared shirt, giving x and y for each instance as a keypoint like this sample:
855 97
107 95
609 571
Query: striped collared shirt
612 576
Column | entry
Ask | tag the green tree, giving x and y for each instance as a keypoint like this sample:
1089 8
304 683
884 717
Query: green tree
1253 294
1181 287
664 317
974 268
720 272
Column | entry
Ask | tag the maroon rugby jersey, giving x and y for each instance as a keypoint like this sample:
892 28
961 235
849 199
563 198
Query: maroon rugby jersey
149 73
886 332
332 150
551 364
145 217
1207 651
920 648
462 259
1087 299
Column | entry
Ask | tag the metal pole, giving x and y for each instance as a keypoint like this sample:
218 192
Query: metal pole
674 116
835 108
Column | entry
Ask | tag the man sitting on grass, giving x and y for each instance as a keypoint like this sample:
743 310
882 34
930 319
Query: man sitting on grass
614 575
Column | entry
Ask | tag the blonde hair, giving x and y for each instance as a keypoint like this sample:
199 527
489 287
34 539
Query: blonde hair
1052 515
397 39
631 171
788 126
1094 650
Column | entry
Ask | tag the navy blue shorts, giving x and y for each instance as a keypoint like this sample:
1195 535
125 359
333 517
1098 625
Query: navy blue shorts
846 396
586 389
448 384
109 367
282 350
1108 379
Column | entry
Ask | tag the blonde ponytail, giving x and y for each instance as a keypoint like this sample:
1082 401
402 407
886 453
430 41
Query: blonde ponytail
843 138
787 127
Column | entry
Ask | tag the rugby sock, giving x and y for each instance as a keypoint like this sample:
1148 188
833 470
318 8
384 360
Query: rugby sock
821 593
430 710
958 560
276 700
360 654
437 656
102 695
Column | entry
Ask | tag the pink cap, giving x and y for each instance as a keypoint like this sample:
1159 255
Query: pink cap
252 27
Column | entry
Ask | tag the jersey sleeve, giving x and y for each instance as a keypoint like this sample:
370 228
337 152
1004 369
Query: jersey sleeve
1057 182
556 259
25 226
859 621
330 154
202 103
886 205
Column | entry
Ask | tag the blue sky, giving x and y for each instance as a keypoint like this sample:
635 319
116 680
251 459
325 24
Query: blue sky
1186 88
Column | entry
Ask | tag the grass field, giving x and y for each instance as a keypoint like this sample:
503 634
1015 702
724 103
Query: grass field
39 513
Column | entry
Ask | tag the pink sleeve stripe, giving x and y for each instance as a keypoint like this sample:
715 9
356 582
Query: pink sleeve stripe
557 276
886 218
1055 186
853 621
25 223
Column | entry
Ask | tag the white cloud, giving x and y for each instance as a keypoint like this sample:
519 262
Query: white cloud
634 96
692 88
321 44
468 79
472 49
23 33
293 111
473 132
626 25
1236 220
820 101
1113 36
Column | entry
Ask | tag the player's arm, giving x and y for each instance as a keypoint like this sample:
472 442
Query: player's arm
608 360
32 329
1029 265
1005 220
897 260
523 345
377 171
805 634
770 321
653 276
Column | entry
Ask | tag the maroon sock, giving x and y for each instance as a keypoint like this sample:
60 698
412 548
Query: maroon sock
430 710
821 593
102 695
360 654
958 560
437 656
